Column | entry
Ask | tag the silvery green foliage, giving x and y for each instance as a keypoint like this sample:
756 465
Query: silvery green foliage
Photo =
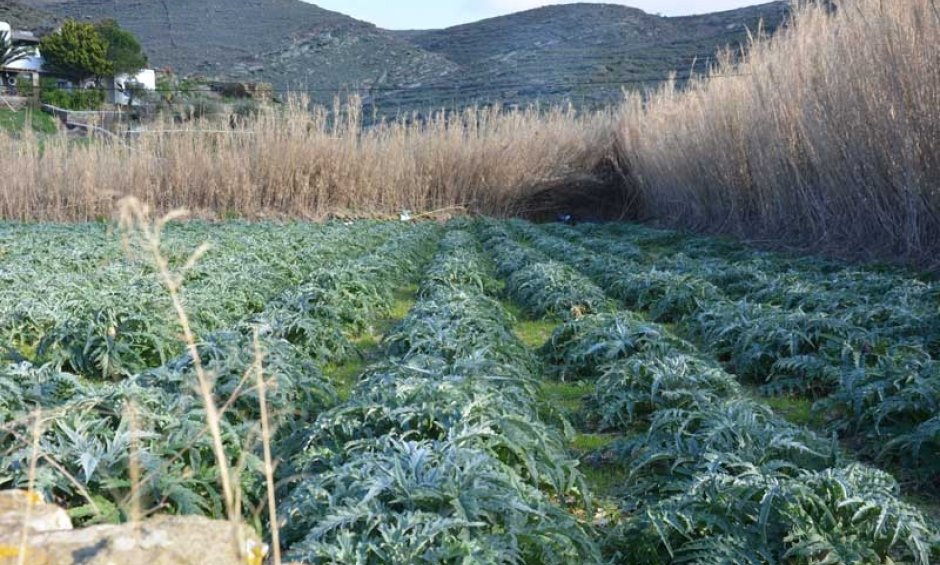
896 399
666 296
344 297
442 315
461 270
555 289
426 501
861 342
714 478
440 455
542 287
477 399
74 298
88 429
798 350
629 392
844 515
578 347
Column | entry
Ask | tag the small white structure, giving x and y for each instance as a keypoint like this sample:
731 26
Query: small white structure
29 66
123 86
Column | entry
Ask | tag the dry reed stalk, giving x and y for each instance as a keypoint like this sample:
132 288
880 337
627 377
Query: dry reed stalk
135 216
266 434
300 162
137 486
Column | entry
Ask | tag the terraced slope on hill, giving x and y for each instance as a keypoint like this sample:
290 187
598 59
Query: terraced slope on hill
588 52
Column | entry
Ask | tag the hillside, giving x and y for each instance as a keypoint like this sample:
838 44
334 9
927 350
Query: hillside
21 16
583 52
287 42
587 52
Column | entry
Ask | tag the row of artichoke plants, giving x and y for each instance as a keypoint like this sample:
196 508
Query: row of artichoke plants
710 476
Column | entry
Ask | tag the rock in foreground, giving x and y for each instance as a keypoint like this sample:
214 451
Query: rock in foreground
166 540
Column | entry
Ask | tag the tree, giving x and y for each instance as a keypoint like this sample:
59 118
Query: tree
77 51
124 51
134 91
10 53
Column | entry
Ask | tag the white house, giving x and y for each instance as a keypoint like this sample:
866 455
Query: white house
122 86
119 88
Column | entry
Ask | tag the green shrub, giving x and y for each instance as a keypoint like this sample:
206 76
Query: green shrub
246 109
80 99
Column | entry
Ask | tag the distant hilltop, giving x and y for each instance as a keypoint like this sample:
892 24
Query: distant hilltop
586 53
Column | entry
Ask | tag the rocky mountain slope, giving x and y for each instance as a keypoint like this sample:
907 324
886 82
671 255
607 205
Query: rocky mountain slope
21 16
290 43
583 52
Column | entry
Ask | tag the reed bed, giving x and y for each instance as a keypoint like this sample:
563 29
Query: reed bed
826 135
295 162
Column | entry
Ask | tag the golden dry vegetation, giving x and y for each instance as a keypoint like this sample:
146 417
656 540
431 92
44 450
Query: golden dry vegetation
826 135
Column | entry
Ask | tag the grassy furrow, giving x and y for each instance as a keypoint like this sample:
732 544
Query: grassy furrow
344 373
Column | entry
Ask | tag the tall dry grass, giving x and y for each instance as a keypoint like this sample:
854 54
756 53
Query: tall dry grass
827 134
302 163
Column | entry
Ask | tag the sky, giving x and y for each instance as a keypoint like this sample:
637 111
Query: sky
429 14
